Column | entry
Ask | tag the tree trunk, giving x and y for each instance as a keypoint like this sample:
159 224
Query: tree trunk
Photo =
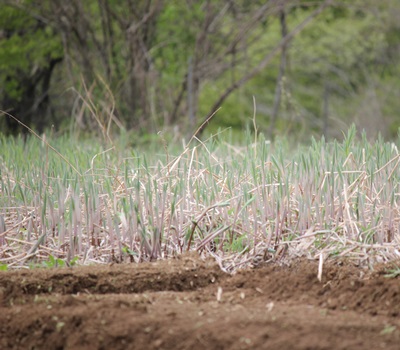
281 74
262 64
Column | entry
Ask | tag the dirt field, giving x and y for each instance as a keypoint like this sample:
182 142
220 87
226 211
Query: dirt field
190 304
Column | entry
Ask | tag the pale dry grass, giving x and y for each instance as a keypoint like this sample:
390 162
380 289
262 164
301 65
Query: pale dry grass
242 205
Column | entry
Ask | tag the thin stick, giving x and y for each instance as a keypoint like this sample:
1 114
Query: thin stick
320 265
202 125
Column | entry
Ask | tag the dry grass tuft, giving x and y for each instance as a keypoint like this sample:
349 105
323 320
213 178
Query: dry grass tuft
242 205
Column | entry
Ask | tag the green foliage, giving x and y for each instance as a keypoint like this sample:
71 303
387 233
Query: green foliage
393 273
128 251
342 42
28 46
54 262
237 245
351 49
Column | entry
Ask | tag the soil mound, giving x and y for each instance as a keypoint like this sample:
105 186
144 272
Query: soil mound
187 303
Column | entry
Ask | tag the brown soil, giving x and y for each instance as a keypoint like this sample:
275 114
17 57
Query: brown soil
190 304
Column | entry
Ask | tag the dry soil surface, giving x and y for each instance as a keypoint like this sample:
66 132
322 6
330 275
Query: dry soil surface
187 303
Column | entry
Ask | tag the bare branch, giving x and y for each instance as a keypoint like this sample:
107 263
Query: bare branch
267 59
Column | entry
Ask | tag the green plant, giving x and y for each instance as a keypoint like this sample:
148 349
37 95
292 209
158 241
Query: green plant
393 272
101 204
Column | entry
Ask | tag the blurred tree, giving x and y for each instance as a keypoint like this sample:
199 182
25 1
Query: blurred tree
29 52
334 59
153 64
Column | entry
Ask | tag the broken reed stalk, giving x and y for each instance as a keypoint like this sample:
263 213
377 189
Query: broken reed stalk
237 203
